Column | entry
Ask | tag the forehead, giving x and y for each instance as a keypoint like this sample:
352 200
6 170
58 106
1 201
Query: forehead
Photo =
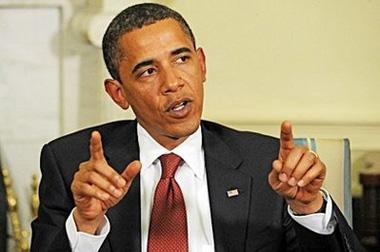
154 39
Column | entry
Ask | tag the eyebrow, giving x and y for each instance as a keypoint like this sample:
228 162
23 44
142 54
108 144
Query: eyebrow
150 61
180 50
142 64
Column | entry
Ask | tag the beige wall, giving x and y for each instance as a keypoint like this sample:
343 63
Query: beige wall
316 63
312 62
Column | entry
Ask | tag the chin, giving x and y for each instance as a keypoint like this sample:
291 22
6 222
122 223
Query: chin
185 130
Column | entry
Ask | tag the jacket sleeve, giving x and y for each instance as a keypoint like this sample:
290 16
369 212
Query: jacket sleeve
302 239
56 203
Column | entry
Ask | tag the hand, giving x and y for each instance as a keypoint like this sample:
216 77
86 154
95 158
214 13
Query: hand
297 174
97 187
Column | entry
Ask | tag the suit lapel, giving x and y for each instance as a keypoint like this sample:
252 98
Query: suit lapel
121 147
229 213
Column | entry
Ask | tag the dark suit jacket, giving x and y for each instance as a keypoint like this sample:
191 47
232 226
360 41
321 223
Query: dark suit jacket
256 220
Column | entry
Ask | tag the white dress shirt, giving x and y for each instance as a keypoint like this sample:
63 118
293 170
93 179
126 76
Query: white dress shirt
191 177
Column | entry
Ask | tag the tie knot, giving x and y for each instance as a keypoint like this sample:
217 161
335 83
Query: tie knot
169 164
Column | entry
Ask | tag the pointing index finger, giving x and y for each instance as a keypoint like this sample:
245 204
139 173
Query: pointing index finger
96 148
286 140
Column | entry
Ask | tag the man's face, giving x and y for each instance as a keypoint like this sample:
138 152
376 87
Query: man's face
162 79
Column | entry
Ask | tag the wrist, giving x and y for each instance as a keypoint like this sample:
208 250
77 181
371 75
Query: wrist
90 226
318 205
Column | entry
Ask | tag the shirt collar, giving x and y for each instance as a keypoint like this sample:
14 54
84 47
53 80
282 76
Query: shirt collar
190 150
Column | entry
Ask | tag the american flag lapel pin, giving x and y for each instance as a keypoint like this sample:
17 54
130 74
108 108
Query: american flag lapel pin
232 193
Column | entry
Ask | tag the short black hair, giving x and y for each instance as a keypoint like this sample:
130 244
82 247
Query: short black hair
135 17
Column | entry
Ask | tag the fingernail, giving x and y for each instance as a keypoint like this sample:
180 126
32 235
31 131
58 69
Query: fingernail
283 177
292 181
301 183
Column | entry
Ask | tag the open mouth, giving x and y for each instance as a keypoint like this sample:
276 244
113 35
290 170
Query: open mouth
179 106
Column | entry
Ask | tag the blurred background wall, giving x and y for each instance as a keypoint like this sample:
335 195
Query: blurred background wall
315 63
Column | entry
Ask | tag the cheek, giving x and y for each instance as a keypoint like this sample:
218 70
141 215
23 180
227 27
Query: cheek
194 79
148 105
143 96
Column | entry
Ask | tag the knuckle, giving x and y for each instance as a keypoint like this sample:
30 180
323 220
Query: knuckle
96 166
306 180
84 166
310 157
297 174
288 167
76 175
116 177
91 177
318 169
110 187
322 165
79 189
322 172
299 149
83 188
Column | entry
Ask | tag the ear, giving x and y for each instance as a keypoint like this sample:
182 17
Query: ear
202 62
116 91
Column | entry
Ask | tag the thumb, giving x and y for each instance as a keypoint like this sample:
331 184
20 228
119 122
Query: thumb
130 172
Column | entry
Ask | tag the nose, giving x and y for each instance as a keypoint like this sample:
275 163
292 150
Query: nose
171 81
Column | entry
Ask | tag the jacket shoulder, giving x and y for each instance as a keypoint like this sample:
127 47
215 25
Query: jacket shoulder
83 135
242 137
253 147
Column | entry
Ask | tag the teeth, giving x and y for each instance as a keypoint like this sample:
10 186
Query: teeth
179 106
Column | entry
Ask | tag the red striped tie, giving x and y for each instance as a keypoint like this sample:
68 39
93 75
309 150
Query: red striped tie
168 225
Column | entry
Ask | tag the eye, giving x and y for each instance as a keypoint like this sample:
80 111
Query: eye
183 59
148 72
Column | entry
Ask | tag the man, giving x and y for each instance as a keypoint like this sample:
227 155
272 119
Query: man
107 195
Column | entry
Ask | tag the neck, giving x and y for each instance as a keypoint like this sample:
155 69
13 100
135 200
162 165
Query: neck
169 142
